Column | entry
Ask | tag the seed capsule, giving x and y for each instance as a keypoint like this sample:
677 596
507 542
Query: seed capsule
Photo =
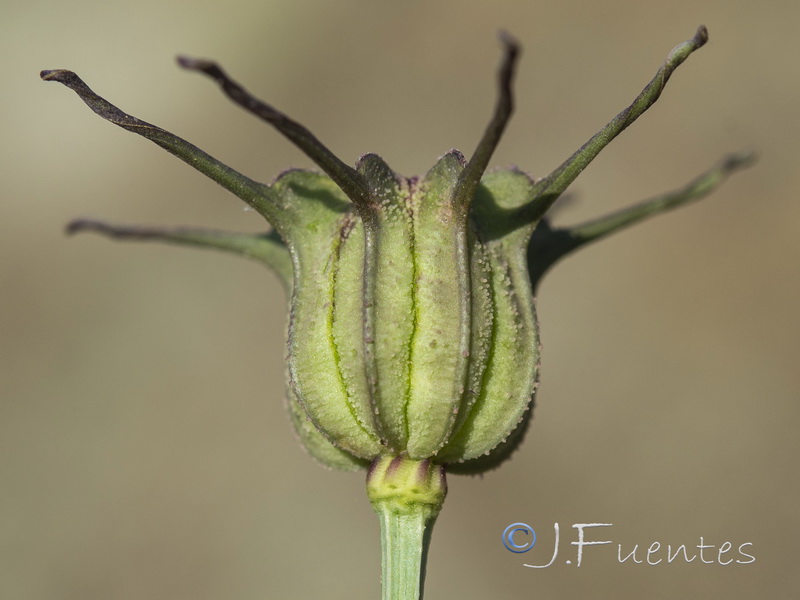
412 329
416 336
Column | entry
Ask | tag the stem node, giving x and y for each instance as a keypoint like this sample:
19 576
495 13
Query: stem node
407 495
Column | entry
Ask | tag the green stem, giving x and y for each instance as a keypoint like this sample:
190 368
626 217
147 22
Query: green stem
403 549
407 496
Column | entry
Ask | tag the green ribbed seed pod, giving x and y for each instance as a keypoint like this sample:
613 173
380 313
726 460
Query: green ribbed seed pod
412 329
415 336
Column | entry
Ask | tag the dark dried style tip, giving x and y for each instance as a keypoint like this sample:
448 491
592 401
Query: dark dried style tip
348 179
551 187
255 194
471 175
701 36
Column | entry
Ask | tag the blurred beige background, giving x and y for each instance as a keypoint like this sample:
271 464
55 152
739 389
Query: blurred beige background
144 450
